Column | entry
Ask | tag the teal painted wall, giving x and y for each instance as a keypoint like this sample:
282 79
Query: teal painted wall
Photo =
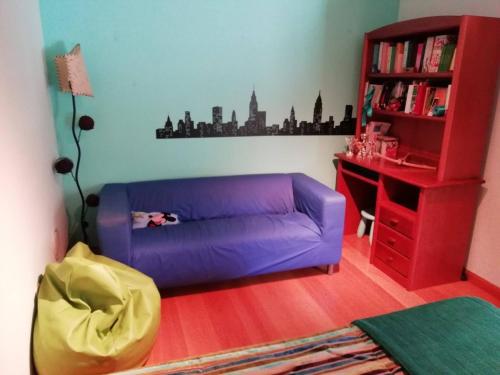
152 58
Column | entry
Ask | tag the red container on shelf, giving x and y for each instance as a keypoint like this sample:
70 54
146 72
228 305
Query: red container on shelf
388 146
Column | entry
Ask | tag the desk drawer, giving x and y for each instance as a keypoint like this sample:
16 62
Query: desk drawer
394 240
399 221
393 259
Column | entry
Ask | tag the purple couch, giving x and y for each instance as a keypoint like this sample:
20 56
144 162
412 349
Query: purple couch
231 226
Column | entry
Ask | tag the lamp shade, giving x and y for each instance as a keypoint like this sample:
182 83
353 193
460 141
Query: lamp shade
72 73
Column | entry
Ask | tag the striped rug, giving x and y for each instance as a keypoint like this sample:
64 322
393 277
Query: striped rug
343 351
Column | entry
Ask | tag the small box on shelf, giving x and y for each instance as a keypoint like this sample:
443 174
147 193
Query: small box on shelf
388 146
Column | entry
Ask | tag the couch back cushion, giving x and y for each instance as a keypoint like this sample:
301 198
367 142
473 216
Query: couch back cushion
213 197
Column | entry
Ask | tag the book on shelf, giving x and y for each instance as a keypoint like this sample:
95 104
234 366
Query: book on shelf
398 63
427 53
419 57
411 57
447 100
392 59
379 61
388 58
380 57
428 101
452 63
405 55
376 50
411 97
419 98
385 57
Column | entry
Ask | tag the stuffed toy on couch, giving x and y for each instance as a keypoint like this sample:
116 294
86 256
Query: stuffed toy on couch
153 219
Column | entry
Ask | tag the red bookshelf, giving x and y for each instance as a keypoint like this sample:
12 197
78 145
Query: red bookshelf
424 218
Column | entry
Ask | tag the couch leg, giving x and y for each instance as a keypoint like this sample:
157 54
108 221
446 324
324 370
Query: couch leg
332 268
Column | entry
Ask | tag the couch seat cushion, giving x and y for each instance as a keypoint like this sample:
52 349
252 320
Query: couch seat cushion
216 249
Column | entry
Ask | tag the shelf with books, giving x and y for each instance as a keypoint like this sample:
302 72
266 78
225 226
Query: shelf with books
431 54
418 98
413 75
381 112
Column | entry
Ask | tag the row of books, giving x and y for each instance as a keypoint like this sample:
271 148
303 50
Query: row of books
435 54
417 98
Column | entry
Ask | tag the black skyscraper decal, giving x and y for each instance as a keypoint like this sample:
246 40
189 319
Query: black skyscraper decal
256 124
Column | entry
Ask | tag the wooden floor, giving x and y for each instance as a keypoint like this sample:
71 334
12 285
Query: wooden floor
204 319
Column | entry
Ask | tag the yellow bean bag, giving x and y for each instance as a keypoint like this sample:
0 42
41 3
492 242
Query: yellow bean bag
95 316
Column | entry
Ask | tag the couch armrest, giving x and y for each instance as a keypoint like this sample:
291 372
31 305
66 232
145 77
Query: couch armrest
114 223
323 205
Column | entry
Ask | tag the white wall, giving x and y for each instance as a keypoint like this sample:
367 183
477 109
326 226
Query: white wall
484 256
33 221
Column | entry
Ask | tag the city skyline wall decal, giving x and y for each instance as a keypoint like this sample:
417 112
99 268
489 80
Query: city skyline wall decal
256 125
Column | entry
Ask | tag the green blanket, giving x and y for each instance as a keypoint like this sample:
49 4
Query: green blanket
454 336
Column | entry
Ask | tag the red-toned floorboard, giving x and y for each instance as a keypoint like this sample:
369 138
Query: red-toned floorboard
210 318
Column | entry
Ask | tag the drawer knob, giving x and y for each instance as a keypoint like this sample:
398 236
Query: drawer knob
393 222
391 241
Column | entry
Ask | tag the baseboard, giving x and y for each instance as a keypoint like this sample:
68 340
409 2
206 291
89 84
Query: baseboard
483 284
